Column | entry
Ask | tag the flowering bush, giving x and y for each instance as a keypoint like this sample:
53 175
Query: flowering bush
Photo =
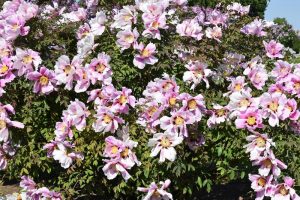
155 100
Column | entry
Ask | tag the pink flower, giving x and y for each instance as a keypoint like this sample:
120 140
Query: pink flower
102 96
99 69
27 183
218 115
284 191
65 70
113 167
272 107
63 130
269 165
44 80
164 144
6 68
241 101
195 105
254 28
6 153
237 84
122 101
106 121
252 64
125 17
261 185
258 143
113 147
64 156
190 28
282 69
155 192
250 119
214 33
83 80
273 49
153 24
97 23
290 110
127 38
293 85
5 123
238 8
15 26
146 55
5 48
77 113
83 31
197 72
258 77
177 123
26 61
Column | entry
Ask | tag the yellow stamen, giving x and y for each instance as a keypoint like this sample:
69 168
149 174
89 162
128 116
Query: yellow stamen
260 142
262 182
2 124
179 120
125 153
100 68
251 120
172 101
107 119
123 99
27 59
192 104
165 142
114 149
44 80
4 69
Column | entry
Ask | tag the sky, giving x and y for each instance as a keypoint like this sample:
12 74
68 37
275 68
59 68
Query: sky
289 9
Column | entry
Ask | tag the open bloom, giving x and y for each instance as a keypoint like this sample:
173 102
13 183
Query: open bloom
258 77
154 192
106 121
44 80
254 28
274 49
26 61
6 73
195 105
5 123
146 55
122 101
250 119
285 190
97 23
282 70
125 17
153 24
164 144
190 28
64 156
127 38
214 33
82 77
65 70
261 185
197 72
99 69
218 115
177 123
113 167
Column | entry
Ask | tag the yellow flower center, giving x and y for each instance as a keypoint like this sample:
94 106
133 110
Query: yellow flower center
155 24
283 190
244 103
15 27
2 124
251 120
3 69
165 142
84 75
260 142
220 112
262 182
267 163
297 86
152 110
273 106
123 99
100 68
156 194
127 17
19 197
146 53
27 59
129 38
67 69
107 119
237 87
114 149
168 85
44 80
172 101
192 104
179 120
125 153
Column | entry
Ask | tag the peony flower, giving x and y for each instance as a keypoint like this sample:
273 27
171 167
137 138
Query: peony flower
44 80
125 18
250 119
214 33
290 110
282 70
83 31
62 130
177 123
5 123
273 49
197 72
153 24
190 28
113 167
258 77
154 192
82 77
127 38
122 100
65 70
218 115
26 61
195 105
15 26
284 191
261 185
102 96
63 155
164 143
6 68
97 23
241 101
146 55
77 113
106 121
254 28
99 69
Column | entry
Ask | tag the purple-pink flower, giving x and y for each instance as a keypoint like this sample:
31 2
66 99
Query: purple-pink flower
44 80
145 56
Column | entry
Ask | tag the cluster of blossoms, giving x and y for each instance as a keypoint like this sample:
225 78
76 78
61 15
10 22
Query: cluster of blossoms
154 192
162 98
31 191
120 154
265 183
